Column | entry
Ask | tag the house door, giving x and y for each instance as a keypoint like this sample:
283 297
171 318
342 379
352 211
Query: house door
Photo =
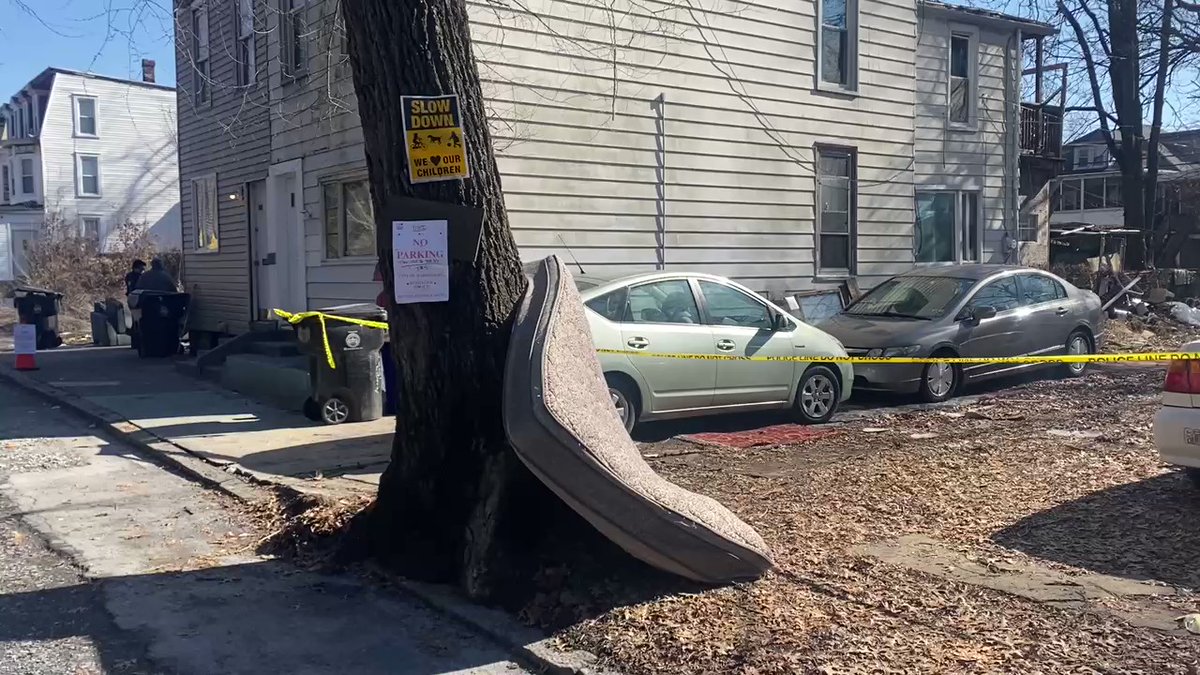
262 265
281 242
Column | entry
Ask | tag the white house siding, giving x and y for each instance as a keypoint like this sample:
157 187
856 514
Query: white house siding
578 149
229 137
139 176
974 159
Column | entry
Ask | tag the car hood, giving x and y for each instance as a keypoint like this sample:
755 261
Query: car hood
869 332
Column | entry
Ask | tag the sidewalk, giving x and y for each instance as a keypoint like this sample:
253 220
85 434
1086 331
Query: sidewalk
218 425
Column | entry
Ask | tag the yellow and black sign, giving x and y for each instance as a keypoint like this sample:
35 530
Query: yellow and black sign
434 138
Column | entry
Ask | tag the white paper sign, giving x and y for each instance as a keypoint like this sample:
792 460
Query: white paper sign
24 338
420 261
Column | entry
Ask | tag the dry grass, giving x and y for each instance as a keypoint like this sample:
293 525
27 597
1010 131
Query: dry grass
302 528
991 481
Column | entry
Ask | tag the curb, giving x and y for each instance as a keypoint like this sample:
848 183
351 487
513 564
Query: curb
523 643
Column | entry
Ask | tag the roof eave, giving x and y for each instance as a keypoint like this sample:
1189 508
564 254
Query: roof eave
1027 27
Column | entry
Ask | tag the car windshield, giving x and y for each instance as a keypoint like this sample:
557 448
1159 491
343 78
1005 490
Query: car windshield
912 297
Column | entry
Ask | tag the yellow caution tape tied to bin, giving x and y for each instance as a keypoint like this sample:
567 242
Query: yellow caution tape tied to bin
321 317
1151 357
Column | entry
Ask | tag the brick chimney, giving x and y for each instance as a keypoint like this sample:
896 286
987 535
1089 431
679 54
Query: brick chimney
147 70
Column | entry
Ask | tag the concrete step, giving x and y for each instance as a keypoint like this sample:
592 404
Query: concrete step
279 381
275 348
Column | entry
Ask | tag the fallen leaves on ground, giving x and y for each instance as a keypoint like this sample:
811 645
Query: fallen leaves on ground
993 483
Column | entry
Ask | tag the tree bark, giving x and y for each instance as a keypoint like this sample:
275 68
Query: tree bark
451 498
1125 73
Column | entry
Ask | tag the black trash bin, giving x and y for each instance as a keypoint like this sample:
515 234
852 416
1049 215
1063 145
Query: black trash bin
157 321
41 308
352 389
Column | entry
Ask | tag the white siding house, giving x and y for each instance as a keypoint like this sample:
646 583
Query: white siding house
778 144
91 150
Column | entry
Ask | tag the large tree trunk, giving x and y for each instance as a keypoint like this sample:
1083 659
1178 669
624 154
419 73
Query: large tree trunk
1125 74
449 499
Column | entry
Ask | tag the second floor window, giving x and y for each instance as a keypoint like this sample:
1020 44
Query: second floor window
1091 157
962 94
85 116
88 169
27 176
200 70
836 211
247 66
837 42
293 37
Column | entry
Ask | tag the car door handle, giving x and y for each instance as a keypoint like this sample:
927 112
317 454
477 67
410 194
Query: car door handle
726 345
1061 311
638 342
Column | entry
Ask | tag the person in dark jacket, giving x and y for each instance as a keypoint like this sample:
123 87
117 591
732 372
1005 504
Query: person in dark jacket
156 279
134 274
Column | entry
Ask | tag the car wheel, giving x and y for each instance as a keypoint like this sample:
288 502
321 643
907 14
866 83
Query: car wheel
939 381
1194 475
625 399
1078 343
817 396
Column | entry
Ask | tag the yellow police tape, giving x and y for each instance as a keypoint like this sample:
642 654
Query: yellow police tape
1150 357
1064 358
321 317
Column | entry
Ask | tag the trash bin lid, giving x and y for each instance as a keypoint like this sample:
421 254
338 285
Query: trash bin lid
29 290
361 310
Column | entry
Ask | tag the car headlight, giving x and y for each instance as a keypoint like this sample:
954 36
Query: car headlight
902 351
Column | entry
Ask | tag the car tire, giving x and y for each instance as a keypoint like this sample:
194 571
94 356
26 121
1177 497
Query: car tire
939 381
625 399
1079 342
1193 474
818 395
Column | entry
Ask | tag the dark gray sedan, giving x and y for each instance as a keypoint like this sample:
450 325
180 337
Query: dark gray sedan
970 311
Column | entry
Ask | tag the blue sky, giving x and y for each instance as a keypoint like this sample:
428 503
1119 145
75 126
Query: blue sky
108 37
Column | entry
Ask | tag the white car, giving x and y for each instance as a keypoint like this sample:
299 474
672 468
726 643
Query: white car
1177 424
690 313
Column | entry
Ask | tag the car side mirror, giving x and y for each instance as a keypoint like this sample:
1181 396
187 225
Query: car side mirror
977 314
777 322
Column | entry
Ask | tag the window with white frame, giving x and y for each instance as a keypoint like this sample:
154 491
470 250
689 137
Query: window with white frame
204 213
1027 229
87 175
349 219
837 43
247 67
1091 157
200 69
85 116
89 228
27 185
836 212
1088 194
961 104
947 227
293 53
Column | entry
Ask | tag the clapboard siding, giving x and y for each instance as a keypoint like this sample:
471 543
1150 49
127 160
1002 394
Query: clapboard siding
972 159
139 180
229 137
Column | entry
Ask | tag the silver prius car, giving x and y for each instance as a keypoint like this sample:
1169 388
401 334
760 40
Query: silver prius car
970 311
687 313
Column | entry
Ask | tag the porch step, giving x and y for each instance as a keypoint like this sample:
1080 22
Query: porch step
275 348
278 380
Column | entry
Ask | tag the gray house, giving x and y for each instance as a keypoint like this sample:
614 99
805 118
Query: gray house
789 147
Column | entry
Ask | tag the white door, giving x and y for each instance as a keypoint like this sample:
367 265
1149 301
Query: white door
6 253
741 326
663 316
283 241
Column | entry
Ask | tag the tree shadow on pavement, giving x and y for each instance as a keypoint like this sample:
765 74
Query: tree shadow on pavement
251 618
1145 530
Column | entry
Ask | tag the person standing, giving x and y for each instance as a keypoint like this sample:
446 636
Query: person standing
134 274
156 279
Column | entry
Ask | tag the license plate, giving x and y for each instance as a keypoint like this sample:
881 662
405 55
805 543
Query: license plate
1191 436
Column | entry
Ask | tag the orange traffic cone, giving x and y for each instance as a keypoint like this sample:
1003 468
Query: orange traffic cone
26 362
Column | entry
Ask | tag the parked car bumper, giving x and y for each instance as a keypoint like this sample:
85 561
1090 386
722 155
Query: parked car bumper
1174 427
899 378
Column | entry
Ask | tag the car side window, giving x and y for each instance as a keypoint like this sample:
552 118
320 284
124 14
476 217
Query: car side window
610 305
1039 289
662 302
1000 294
728 306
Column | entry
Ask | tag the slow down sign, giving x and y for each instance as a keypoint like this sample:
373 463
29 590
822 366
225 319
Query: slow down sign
434 139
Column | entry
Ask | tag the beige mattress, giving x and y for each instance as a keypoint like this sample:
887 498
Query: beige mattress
561 422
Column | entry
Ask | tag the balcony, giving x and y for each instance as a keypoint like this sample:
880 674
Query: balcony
1041 130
